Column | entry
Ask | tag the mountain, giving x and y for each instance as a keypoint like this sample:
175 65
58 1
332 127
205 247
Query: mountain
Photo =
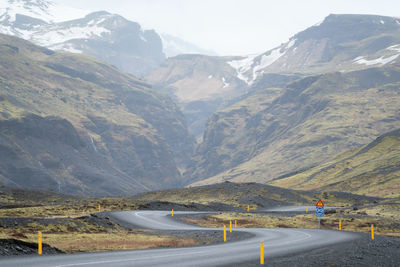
46 11
106 36
199 85
338 43
276 131
77 125
202 85
174 46
372 170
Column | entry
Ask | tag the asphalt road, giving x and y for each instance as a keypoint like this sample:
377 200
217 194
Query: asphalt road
277 242
297 209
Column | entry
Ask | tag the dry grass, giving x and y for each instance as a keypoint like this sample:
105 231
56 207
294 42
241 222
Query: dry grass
68 210
384 218
92 242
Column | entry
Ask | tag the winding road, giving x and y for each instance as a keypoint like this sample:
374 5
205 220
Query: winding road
277 242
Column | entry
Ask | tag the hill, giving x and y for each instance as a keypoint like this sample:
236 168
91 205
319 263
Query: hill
258 196
276 131
372 170
74 124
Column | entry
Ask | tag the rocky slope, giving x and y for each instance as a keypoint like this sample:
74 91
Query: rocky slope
108 37
77 125
373 170
277 131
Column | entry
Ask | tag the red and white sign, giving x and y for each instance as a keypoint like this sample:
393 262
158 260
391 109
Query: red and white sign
319 204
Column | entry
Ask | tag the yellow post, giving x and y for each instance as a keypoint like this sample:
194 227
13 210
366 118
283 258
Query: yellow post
235 223
372 231
99 208
224 233
306 209
230 226
340 225
262 253
172 214
40 250
248 208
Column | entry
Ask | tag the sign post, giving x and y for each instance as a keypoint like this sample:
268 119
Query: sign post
319 211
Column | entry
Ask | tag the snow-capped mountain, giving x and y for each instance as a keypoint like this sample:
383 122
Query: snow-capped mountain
173 46
39 9
106 36
338 43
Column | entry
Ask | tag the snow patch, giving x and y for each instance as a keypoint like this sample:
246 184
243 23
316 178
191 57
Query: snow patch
382 22
381 61
40 9
291 43
242 66
66 47
394 48
257 64
210 76
93 145
224 82
62 35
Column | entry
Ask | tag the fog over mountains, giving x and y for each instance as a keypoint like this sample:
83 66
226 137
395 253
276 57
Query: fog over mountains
181 118
105 36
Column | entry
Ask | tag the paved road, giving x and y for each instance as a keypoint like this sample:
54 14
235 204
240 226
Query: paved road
277 242
297 209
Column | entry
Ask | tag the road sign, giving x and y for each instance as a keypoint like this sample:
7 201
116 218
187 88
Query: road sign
319 211
319 204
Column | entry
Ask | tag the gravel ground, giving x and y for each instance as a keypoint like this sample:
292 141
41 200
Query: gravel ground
13 247
383 251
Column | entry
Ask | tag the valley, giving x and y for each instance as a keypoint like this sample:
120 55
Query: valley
108 126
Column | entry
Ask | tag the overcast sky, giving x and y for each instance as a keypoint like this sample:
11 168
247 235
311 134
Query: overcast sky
235 27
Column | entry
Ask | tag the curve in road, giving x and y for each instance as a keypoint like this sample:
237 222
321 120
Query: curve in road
277 242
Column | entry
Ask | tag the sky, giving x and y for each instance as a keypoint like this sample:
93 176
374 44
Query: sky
235 27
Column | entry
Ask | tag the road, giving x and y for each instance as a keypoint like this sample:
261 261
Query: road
297 209
277 242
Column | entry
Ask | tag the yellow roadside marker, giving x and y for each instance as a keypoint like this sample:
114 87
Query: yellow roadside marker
172 213
306 209
340 224
235 223
99 208
230 226
224 233
248 208
372 232
262 253
40 236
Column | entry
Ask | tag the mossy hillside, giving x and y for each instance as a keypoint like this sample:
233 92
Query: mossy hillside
112 111
371 170
313 120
